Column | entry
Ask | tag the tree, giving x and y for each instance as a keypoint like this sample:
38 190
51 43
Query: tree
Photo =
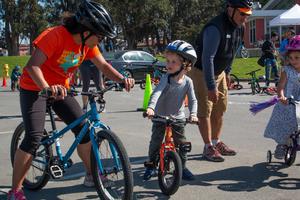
34 20
12 25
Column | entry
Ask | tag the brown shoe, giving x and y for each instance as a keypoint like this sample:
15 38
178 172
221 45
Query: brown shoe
211 153
225 150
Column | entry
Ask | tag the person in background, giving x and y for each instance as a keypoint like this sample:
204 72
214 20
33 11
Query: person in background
15 76
282 49
88 72
270 53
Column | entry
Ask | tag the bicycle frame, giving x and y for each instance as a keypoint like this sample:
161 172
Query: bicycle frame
93 122
167 145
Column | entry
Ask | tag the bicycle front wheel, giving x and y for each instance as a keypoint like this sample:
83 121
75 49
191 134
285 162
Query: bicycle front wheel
170 178
113 179
37 176
235 82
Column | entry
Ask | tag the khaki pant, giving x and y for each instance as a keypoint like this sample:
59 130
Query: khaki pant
206 107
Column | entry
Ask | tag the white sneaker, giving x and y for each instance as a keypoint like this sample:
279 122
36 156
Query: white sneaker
280 151
88 181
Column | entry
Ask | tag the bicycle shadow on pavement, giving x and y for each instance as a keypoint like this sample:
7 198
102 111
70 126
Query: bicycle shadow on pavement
244 178
151 186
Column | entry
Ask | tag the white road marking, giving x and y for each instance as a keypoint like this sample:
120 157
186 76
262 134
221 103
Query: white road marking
5 132
4 190
239 103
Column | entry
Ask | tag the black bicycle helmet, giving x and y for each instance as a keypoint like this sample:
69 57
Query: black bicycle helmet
184 49
240 3
96 18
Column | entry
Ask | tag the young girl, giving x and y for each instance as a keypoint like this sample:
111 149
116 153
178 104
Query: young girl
283 121
168 100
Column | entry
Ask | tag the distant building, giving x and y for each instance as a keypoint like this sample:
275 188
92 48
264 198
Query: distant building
258 23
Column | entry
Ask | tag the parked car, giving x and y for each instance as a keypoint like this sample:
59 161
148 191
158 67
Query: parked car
135 64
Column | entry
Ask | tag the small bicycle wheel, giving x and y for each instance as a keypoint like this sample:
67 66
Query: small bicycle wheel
113 179
290 155
37 176
169 180
269 156
235 82
244 53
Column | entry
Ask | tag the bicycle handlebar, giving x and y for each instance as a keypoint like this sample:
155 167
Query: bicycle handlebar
167 119
253 72
48 93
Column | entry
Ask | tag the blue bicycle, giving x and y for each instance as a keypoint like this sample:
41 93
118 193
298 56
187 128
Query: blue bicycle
110 164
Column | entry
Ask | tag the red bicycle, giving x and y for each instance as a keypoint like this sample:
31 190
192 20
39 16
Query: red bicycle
169 162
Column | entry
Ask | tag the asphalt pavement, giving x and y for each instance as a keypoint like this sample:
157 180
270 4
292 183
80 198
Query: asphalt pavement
246 176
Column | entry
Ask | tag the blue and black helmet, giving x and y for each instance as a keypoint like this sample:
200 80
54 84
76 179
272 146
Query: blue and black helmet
184 49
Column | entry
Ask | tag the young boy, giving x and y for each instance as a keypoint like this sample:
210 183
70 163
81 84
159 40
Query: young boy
15 75
168 100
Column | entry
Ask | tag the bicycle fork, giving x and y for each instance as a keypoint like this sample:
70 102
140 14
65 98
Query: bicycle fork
168 145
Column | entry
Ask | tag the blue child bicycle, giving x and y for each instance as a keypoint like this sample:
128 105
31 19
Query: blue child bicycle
110 165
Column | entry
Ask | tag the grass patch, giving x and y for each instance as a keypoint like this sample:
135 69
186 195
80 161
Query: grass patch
12 61
242 66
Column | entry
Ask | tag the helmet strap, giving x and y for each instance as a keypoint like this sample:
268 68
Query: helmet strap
83 39
175 73
232 16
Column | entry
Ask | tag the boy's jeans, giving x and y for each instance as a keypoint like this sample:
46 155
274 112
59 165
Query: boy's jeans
271 64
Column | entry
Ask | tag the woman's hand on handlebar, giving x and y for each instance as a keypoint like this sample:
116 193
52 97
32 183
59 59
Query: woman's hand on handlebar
129 83
58 91
150 113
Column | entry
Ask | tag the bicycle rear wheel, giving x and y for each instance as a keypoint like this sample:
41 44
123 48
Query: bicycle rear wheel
235 82
37 176
169 180
116 180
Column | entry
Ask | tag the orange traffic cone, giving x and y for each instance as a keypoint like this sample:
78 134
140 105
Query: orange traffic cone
4 82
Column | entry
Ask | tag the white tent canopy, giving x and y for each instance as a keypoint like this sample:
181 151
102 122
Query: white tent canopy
289 17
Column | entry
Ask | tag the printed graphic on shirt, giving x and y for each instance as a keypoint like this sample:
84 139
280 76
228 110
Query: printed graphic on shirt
69 59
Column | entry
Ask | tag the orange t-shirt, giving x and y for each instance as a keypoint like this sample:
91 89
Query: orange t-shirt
63 57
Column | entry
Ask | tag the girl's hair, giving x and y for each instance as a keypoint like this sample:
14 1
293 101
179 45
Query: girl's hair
70 23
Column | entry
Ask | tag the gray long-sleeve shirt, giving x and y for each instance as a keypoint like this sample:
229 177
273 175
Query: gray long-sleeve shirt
168 98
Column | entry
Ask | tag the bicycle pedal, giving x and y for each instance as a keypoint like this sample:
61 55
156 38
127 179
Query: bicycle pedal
186 147
56 171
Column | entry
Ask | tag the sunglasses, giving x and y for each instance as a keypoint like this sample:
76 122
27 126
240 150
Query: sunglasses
244 14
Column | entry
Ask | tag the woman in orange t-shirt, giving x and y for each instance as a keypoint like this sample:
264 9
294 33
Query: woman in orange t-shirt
58 52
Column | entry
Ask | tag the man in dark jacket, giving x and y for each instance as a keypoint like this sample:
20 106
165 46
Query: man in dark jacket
269 51
216 46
